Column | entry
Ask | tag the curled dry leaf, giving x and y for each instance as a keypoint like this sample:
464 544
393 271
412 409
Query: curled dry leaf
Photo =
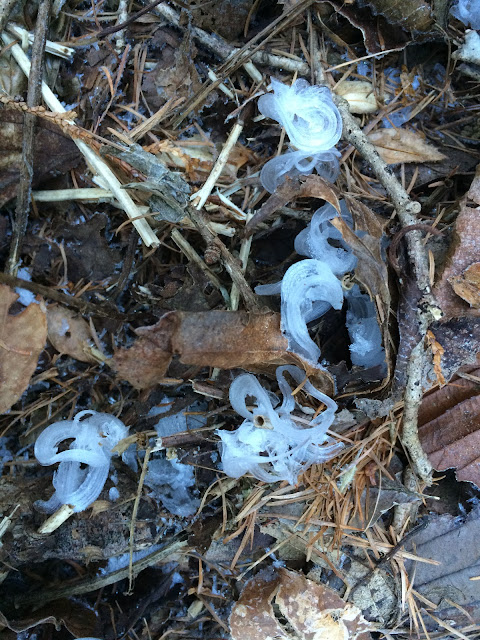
222 339
401 145
359 94
22 338
411 15
69 333
467 285
313 611
449 420
464 253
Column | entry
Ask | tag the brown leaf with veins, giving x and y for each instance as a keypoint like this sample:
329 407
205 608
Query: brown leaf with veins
313 611
223 339
464 252
449 427
22 338
401 145
467 285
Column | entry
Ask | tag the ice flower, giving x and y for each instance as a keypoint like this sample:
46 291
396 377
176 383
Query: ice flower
268 444
93 437
315 241
308 114
468 12
299 163
366 339
309 288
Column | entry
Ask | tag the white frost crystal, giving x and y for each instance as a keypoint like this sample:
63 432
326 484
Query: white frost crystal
268 444
94 436
308 113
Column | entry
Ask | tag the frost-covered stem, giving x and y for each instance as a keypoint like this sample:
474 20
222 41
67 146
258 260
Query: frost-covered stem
412 398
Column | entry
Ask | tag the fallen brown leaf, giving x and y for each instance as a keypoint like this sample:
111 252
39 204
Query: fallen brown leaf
401 145
467 285
69 333
449 420
22 338
223 339
464 252
313 611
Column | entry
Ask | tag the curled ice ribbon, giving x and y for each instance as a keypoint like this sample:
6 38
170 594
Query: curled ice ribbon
94 435
299 163
308 114
304 285
268 444
314 240
366 338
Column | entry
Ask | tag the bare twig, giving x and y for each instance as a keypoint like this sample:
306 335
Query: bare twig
234 268
428 310
193 256
6 8
34 96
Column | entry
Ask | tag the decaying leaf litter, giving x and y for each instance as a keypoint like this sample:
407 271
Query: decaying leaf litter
135 229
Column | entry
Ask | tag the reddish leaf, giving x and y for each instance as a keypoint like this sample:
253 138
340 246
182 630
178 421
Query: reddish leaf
22 338
449 420
464 252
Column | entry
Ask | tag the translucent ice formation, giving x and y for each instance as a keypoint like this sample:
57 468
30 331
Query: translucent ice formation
299 163
94 435
313 241
366 339
309 288
170 480
268 444
311 119
468 12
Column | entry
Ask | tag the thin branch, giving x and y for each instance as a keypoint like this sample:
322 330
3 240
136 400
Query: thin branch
6 8
34 97
427 310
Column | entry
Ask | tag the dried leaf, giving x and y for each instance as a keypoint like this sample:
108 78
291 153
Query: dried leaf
69 333
453 543
401 145
22 338
222 339
467 285
412 15
313 611
449 420
311 186
53 151
77 618
437 351
359 94
464 252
